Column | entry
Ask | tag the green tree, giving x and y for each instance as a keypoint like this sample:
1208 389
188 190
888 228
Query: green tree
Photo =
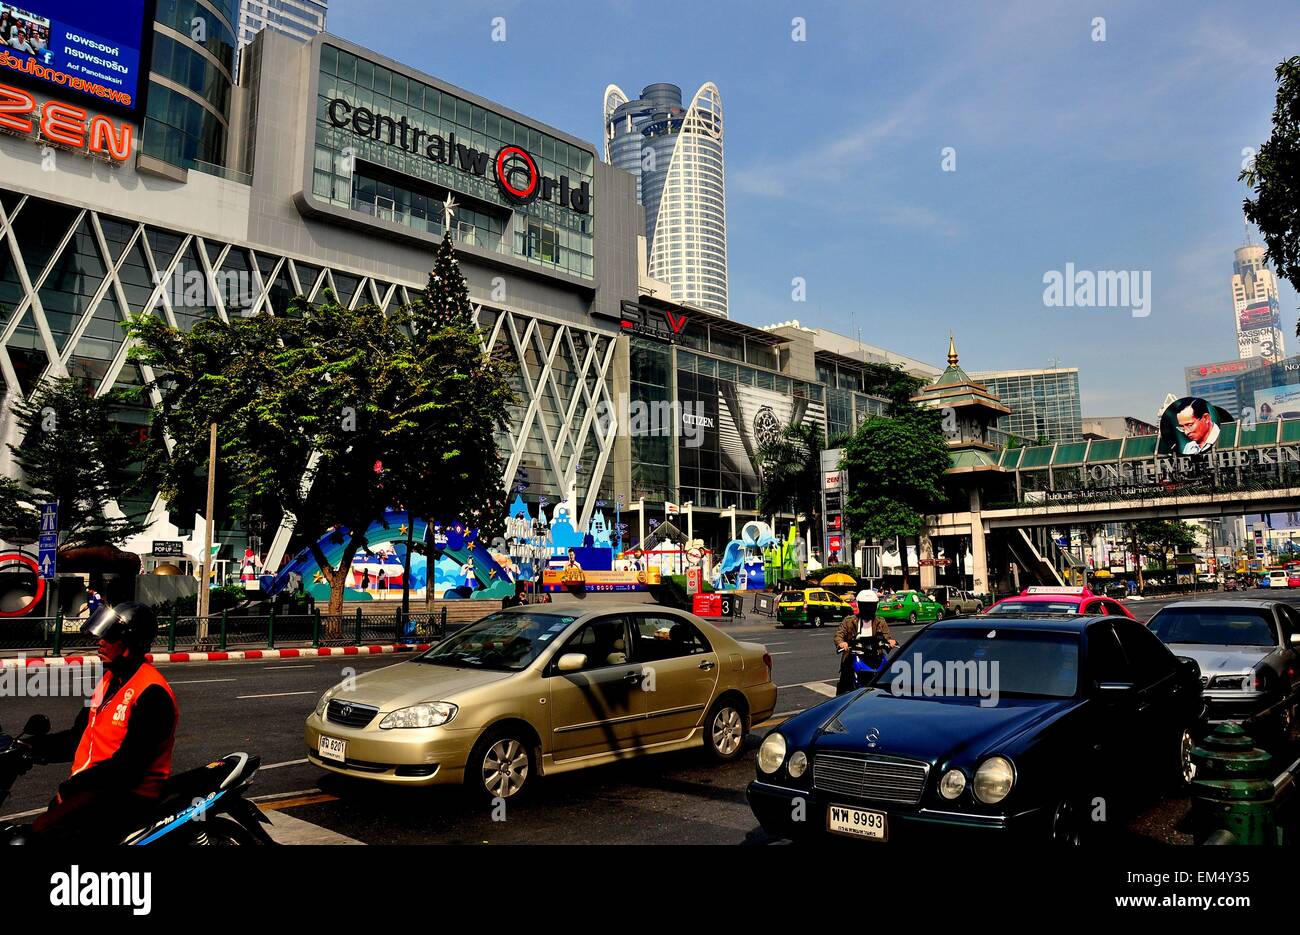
895 475
1274 175
332 414
17 518
75 452
791 465
1160 538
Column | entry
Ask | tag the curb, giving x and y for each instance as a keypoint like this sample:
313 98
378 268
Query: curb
231 656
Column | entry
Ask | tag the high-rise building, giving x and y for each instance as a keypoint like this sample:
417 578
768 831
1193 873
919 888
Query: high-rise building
1116 427
300 19
188 119
1044 403
1219 382
1255 306
675 153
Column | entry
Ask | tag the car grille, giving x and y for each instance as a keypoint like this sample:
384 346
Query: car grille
1205 680
870 777
349 713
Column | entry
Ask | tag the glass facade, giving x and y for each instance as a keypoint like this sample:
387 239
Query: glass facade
188 128
1043 403
349 167
651 390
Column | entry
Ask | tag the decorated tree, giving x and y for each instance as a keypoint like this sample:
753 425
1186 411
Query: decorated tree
75 452
1274 175
17 518
333 414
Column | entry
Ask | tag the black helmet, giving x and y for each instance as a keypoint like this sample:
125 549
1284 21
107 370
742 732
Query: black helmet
131 622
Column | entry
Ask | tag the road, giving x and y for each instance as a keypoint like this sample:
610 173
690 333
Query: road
259 707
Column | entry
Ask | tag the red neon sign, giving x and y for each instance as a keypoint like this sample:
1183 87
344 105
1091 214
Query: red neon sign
65 124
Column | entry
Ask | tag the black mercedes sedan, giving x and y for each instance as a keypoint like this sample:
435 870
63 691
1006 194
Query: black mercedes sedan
1041 728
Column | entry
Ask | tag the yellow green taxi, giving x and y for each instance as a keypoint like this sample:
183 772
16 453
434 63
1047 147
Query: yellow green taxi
910 607
815 606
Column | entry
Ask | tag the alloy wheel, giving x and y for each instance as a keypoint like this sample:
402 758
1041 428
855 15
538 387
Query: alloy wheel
1067 826
728 730
1186 765
505 768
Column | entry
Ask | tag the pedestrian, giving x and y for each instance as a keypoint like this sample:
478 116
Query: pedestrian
365 579
383 581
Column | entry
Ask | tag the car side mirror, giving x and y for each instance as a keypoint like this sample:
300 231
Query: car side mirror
38 725
571 662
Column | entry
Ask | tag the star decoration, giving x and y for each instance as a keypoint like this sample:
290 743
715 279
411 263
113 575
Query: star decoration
448 211
401 530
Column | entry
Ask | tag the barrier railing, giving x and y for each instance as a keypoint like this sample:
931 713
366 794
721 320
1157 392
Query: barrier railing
56 636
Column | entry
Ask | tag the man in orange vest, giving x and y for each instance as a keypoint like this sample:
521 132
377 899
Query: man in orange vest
120 746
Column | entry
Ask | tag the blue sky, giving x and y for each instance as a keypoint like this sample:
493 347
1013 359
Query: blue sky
1114 155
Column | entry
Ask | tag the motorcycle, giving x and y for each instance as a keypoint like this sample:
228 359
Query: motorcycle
870 655
204 806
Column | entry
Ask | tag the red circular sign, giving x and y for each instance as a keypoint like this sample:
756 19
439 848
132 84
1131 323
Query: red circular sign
14 557
511 161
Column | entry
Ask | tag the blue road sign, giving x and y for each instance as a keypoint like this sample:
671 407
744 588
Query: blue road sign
48 556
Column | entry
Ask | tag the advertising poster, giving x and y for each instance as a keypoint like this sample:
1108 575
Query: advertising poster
83 51
1189 426
1277 402
733 423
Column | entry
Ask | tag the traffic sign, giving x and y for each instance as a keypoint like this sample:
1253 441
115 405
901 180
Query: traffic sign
48 557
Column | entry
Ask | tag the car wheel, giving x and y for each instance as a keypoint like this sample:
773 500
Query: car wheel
724 730
1186 768
979 609
911 618
501 765
1068 823
817 620
1288 721
938 615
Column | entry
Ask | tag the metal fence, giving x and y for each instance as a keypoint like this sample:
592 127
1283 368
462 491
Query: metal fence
219 632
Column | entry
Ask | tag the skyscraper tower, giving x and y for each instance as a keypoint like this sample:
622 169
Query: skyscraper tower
675 152
1255 306
301 19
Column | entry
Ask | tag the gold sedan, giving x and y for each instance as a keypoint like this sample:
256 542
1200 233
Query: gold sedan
545 689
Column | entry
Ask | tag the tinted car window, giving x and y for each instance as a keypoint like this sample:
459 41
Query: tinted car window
603 642
1149 658
1028 663
665 638
1106 661
1226 627
1036 607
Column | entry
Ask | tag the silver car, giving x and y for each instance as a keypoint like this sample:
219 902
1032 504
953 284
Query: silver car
1249 654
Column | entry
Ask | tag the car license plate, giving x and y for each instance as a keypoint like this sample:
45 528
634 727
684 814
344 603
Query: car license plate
331 748
857 822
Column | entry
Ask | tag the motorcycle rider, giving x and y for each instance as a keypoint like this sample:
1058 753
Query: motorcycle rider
120 746
864 623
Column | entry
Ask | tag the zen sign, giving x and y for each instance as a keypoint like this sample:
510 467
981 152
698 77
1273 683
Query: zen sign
64 125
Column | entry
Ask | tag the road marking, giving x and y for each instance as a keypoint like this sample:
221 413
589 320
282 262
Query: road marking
826 687
285 763
273 695
784 652
197 681
300 800
285 829
269 668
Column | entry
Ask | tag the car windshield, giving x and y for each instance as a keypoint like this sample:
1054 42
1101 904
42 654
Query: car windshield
1213 626
967 662
1048 608
790 597
505 641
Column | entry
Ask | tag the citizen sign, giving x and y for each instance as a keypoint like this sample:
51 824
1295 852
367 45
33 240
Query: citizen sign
64 125
515 169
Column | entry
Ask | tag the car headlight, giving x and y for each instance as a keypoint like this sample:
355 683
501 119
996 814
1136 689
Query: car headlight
1241 682
993 780
325 699
772 753
428 714
798 764
953 784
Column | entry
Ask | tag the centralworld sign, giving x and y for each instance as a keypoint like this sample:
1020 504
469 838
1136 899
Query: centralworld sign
514 168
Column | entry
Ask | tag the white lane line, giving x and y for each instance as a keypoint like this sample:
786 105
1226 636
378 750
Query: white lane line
17 815
269 668
826 688
296 793
285 763
274 695
285 829
197 681
784 652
